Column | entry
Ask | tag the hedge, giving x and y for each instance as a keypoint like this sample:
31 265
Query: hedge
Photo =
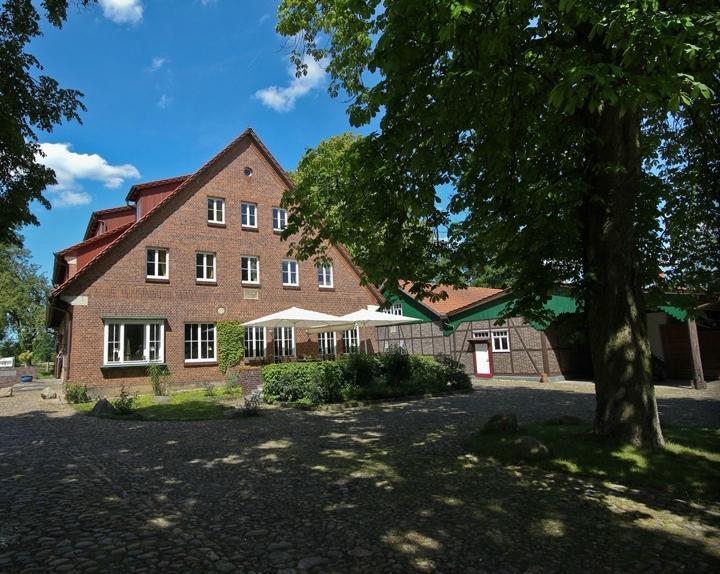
359 376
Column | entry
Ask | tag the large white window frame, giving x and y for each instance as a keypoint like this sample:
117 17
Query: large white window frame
325 275
279 218
255 342
284 341
200 343
250 270
157 260
116 351
248 215
205 267
500 340
216 210
327 344
290 273
351 340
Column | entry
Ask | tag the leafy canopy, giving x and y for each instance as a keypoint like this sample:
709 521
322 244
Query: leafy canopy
497 101
29 102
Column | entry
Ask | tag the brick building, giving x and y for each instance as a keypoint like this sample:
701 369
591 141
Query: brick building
151 279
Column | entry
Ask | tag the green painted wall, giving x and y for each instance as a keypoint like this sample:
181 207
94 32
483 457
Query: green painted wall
411 308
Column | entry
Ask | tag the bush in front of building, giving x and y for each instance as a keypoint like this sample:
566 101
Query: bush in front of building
76 393
454 373
360 377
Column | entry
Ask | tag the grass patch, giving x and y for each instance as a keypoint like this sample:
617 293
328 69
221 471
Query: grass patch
689 467
40 375
192 405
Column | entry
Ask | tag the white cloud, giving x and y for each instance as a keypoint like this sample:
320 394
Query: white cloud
122 11
283 99
70 167
157 63
264 17
164 101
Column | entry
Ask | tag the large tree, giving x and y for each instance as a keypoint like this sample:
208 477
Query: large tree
572 135
29 101
23 297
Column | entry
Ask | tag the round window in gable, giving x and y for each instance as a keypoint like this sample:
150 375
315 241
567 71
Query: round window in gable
248 171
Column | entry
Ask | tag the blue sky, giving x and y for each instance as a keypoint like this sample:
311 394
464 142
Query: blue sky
167 84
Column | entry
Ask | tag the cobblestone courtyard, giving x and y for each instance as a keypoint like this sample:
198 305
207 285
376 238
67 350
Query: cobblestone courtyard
387 488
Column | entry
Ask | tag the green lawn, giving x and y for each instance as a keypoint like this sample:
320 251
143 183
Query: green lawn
689 467
193 405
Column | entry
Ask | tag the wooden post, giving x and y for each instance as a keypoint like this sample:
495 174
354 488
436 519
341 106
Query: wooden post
545 358
696 369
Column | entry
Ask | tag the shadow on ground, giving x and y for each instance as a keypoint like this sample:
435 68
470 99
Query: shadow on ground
381 489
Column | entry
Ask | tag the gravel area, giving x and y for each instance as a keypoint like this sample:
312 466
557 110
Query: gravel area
385 488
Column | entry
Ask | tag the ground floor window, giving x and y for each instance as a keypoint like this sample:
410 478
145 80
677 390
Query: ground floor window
200 342
351 341
255 342
133 342
326 343
284 341
500 340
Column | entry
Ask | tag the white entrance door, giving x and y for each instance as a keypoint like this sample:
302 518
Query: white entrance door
482 360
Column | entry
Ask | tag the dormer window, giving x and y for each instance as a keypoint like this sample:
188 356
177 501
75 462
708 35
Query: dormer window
216 210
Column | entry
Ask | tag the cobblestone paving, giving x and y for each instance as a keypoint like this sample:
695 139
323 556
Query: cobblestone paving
387 488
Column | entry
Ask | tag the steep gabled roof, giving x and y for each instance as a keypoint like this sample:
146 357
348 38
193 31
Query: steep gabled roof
187 182
95 239
97 215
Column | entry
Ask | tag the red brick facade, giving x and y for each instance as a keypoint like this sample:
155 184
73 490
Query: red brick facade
115 285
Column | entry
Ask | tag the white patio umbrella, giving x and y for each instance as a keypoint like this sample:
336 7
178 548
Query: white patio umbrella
294 317
363 318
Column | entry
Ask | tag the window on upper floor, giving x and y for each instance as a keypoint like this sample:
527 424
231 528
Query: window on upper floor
216 210
133 342
200 342
279 218
248 213
250 269
290 275
394 309
325 275
156 266
205 267
500 341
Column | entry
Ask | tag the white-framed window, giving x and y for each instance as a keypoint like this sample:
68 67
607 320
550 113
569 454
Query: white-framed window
248 213
205 267
351 341
290 272
500 341
250 269
481 334
134 341
216 210
394 309
200 342
279 218
326 343
157 263
325 275
255 342
284 341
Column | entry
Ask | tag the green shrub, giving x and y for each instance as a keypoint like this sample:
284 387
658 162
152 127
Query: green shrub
208 389
361 370
231 344
327 383
25 357
454 373
158 378
125 403
76 393
315 383
396 366
427 375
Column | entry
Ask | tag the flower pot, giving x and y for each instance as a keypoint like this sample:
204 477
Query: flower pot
26 378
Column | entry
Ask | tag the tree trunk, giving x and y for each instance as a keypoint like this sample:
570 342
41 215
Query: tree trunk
626 410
